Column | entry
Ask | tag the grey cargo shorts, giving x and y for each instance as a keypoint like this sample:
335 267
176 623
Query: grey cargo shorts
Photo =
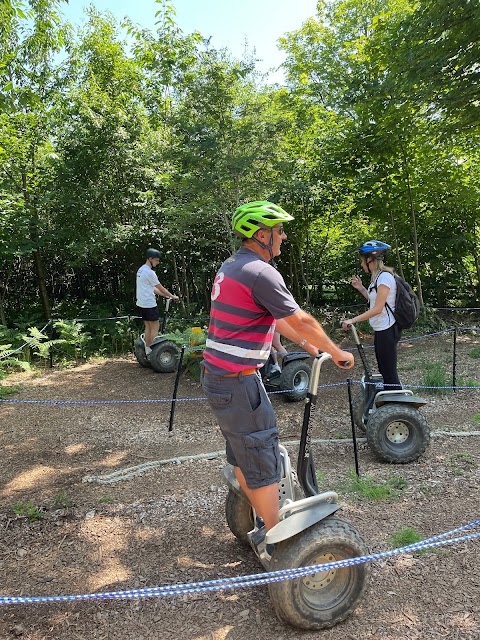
248 423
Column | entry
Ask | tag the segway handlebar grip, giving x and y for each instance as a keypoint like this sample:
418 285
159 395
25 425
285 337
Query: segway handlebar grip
355 334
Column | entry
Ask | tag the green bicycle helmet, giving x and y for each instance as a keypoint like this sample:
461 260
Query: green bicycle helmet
251 217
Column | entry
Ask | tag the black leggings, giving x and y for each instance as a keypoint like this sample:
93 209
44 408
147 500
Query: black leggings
386 353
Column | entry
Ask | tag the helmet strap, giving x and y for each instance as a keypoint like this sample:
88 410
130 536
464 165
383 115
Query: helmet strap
268 247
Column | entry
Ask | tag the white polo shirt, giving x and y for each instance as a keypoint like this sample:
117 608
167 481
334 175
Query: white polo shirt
146 280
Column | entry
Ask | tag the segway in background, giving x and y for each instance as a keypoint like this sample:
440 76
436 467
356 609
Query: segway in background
396 430
308 533
293 377
165 353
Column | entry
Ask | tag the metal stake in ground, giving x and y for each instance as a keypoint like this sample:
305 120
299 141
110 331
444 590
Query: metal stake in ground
175 388
354 434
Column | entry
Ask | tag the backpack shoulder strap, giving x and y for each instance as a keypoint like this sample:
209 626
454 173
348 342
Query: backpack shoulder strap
387 306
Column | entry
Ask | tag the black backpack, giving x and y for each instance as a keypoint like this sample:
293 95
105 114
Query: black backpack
407 304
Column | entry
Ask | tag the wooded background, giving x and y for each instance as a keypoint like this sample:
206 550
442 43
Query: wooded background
114 138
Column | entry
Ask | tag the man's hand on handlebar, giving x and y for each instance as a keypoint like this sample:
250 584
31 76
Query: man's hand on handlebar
346 324
344 360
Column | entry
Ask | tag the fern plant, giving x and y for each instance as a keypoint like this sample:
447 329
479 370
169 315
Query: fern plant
39 344
9 362
73 338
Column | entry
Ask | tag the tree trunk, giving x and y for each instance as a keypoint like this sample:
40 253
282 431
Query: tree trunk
37 256
414 229
42 287
477 269
395 239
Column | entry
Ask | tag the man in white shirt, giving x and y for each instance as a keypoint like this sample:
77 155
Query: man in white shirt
148 286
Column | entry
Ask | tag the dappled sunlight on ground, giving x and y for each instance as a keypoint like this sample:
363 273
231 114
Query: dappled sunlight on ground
32 478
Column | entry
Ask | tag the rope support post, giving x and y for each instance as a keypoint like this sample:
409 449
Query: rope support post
354 435
175 388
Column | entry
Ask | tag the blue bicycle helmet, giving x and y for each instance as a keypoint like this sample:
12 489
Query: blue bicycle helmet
374 248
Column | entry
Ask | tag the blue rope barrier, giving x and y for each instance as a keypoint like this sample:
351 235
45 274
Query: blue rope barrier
253 579
201 398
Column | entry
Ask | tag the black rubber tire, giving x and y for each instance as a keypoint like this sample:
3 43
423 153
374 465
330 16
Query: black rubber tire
321 600
239 516
295 379
139 349
358 409
397 433
164 357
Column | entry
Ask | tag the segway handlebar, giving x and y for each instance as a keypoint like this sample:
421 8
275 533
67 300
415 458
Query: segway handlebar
355 334
360 350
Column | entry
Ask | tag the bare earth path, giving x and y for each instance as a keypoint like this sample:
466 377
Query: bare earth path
168 526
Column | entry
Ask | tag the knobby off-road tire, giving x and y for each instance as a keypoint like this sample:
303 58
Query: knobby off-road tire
323 599
397 433
295 379
358 409
239 516
164 357
139 349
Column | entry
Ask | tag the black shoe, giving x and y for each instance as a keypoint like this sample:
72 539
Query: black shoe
258 536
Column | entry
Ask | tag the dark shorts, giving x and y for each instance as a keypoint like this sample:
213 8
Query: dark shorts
248 423
150 315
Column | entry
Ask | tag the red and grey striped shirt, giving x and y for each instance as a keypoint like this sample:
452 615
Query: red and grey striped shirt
248 294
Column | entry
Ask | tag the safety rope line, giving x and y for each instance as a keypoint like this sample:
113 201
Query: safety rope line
10 353
253 579
202 398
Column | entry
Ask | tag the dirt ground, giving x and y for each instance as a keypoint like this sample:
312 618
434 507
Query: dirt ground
167 525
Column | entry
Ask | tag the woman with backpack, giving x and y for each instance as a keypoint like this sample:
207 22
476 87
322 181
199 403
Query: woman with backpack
381 294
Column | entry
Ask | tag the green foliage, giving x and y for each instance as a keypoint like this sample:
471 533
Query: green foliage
321 478
140 137
435 377
9 363
468 382
39 344
404 537
370 488
8 390
194 339
28 510
73 342
461 463
61 501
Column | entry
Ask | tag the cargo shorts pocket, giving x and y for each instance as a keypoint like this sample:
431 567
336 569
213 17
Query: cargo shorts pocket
218 399
263 464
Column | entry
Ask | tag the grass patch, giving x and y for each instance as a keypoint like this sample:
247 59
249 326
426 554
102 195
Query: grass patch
474 352
435 376
27 510
6 390
375 490
467 382
476 418
106 499
461 463
404 537
61 501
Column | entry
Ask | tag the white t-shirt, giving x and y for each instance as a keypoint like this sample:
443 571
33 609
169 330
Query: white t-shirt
385 319
146 280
